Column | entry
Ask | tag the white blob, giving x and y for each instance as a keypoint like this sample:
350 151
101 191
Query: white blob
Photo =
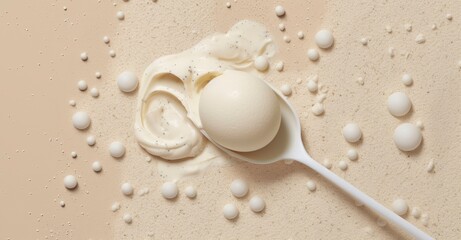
327 163
228 5
318 109
73 154
117 149
169 190
81 120
300 34
120 15
94 92
400 207
239 188
279 11
84 56
112 53
352 132
408 27
420 39
388 29
281 27
261 64
407 137
416 212
70 182
257 204
72 103
96 166
286 39
286 89
98 75
352 154
407 80
312 86
311 185
127 218
127 189
391 52
230 211
420 124
127 81
115 206
279 66
430 166
91 140
364 41
62 204
449 16
82 86
190 192
342 165
313 54
106 39
398 104
324 38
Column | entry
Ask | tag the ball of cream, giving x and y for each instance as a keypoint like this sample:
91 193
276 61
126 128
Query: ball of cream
407 137
324 38
352 132
398 104
239 111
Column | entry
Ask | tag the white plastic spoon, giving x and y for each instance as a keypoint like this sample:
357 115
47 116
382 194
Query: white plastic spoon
288 145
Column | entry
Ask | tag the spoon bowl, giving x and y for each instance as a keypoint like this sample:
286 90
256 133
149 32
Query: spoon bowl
288 145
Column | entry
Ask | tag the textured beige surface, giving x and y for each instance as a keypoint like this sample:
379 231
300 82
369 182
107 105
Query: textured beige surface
151 30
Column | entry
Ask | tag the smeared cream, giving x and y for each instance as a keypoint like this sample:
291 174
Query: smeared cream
167 122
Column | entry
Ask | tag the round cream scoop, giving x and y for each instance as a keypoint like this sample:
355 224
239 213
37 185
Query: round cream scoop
239 111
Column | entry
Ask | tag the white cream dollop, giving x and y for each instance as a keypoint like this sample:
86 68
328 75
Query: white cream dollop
167 121
239 111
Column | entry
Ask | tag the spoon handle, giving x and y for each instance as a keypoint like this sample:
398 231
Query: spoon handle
363 198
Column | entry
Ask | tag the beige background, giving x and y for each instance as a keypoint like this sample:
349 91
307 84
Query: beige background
41 67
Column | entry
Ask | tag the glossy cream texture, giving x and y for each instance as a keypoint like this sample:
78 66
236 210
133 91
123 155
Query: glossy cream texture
167 122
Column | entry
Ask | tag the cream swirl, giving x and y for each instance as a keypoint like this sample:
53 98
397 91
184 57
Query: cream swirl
167 122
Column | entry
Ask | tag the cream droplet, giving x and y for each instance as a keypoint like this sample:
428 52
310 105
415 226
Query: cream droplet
407 137
352 154
127 218
279 66
352 132
324 38
190 192
342 165
82 86
70 182
257 204
96 166
398 104
311 185
84 56
318 109
286 89
127 81
94 92
400 207
117 149
279 11
106 39
91 140
407 80
230 211
261 64
127 189
239 188
120 15
81 120
313 54
169 190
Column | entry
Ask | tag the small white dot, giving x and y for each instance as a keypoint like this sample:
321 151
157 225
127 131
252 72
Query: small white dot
169 190
342 165
230 211
127 218
127 189
430 166
91 140
279 11
257 204
94 92
327 163
286 39
73 154
106 39
81 120
112 53
400 207
364 41
318 109
313 54
62 204
279 66
72 103
300 34
115 206
398 104
120 15
82 86
239 188
127 81
352 132
408 27
352 154
420 39
324 38
416 212
312 86
407 137
97 75
407 80
449 16
286 89
311 185
70 182
84 56
96 166
117 149
228 5
282 27
261 63
190 192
